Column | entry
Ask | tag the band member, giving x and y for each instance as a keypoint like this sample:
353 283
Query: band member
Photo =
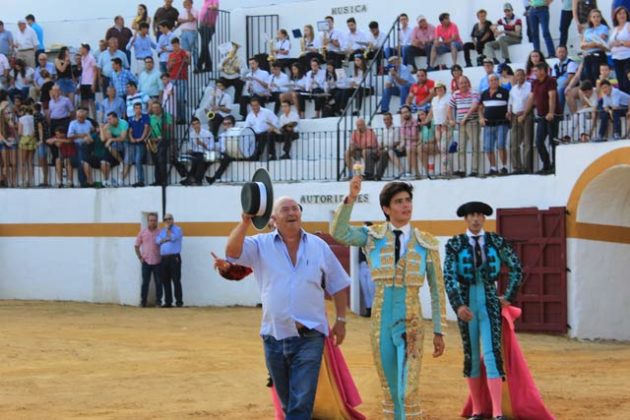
231 72
282 49
255 82
297 87
471 269
310 47
333 43
400 258
220 107
277 84
287 131
200 141
220 147
264 123
315 86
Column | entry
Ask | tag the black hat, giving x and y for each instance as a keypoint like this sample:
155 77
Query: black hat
257 198
474 207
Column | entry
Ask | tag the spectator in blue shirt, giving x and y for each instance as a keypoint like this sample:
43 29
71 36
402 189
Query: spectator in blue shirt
139 128
488 66
6 41
104 63
613 102
170 242
30 20
164 46
143 46
111 103
121 77
80 131
398 83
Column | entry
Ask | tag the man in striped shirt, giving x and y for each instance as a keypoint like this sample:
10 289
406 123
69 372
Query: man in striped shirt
464 103
493 110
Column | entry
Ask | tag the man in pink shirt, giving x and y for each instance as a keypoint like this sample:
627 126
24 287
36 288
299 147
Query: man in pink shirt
446 39
148 253
88 79
364 145
421 42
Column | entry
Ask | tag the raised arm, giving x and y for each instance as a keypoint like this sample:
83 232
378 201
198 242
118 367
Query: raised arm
341 229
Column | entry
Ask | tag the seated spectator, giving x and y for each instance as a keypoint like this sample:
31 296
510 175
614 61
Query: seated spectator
521 132
287 131
410 136
98 157
392 148
508 31
427 147
221 106
66 152
488 67
255 81
111 103
356 40
219 146
564 70
438 116
134 96
230 73
363 147
619 47
421 92
421 43
464 103
277 84
121 77
493 110
446 39
605 73
80 132
263 121
200 141
114 134
338 89
139 131
614 105
149 81
104 62
143 46
481 34
397 83
456 73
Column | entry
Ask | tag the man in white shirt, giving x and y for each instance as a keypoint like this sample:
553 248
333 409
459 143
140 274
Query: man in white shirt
405 35
135 96
521 132
334 43
219 147
255 86
25 42
200 141
376 39
221 105
277 84
264 122
315 84
287 130
356 41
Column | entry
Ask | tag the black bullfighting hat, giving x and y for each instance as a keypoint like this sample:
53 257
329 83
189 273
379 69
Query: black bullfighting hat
257 198
474 207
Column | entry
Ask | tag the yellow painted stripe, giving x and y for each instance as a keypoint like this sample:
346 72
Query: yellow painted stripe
603 233
92 230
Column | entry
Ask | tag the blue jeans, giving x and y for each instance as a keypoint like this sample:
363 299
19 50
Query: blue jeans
546 129
181 93
81 156
147 270
402 92
539 16
493 133
617 115
134 155
190 43
562 84
294 364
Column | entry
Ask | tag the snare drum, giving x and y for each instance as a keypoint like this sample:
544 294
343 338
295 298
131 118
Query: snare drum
240 142
210 156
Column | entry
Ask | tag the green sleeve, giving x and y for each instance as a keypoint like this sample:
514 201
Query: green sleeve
343 231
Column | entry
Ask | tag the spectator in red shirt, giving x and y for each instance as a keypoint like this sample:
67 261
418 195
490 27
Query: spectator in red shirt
148 253
363 146
177 67
446 39
421 93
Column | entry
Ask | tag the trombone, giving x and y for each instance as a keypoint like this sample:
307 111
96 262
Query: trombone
272 56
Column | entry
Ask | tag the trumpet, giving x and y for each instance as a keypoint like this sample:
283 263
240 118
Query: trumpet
151 145
272 56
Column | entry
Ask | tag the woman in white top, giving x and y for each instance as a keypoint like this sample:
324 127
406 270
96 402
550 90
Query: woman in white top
282 49
438 115
310 46
620 47
22 79
359 71
27 145
297 85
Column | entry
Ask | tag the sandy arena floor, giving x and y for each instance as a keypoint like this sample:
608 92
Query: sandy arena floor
70 360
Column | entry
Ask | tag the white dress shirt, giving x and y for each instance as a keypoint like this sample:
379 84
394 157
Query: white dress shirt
219 146
223 100
279 83
404 238
26 40
315 80
255 86
205 136
482 242
261 122
357 40
336 35
518 97
283 45
293 117
377 41
405 36
316 43
292 293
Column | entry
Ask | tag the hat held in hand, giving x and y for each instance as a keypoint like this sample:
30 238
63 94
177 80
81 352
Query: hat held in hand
257 198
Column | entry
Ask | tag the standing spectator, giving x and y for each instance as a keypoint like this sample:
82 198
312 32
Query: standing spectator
614 103
60 110
134 96
207 26
170 242
481 34
464 103
221 105
581 11
508 31
122 34
410 136
6 41
392 148
89 80
422 39
65 79
66 152
4 71
187 23
254 86
564 71
120 78
104 62
539 17
168 101
148 252
438 115
594 45
521 133
363 147
80 132
111 103
143 46
27 145
620 47
405 36
178 62
115 134
200 141
25 43
263 121
333 43
493 117
544 97
41 134
8 143
139 130
446 39
566 15
422 92
164 45
219 147
149 80
397 83
166 14
142 16
161 130
488 67
39 31
287 129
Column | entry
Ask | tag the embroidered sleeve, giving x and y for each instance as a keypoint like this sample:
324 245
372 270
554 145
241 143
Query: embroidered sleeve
450 275
345 233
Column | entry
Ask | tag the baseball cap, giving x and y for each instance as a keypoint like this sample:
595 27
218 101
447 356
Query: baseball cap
420 18
86 46
508 6
488 60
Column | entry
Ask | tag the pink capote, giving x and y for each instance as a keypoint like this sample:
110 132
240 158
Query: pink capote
343 379
523 401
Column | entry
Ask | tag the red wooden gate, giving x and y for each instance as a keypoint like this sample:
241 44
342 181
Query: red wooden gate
342 252
539 238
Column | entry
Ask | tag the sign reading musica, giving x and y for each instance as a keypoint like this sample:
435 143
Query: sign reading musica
347 10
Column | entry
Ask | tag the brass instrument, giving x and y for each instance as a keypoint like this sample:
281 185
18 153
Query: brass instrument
368 51
272 56
303 47
228 64
151 145
211 113
324 49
